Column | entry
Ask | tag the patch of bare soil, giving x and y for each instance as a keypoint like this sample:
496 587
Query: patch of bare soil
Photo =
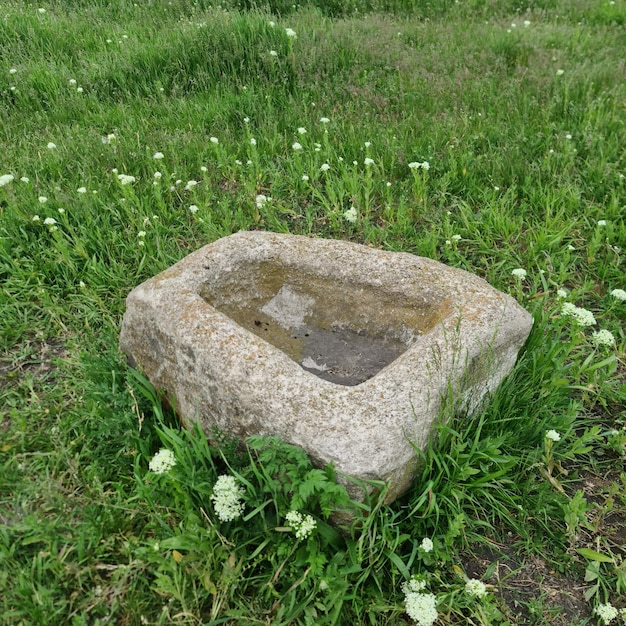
33 358
532 590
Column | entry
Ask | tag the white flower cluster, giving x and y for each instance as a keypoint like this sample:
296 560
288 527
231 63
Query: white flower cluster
5 179
519 272
415 165
350 215
607 612
553 435
261 201
302 525
125 179
419 606
619 294
603 339
163 461
427 544
226 497
476 588
582 317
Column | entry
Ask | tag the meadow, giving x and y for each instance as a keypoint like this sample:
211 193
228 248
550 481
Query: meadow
486 134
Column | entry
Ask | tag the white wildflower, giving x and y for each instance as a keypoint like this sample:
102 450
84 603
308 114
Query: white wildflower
350 215
273 53
301 130
158 155
324 120
49 221
190 184
214 140
368 161
42 11
296 146
5 179
302 525
252 141
42 199
305 177
72 81
193 208
12 71
82 190
601 222
51 146
324 167
606 612
562 293
475 587
36 218
125 179
553 435
79 90
413 586
560 72
141 233
456 237
290 33
519 272
421 608
157 175
603 338
619 294
163 461
24 179
427 544
581 316
260 200
226 497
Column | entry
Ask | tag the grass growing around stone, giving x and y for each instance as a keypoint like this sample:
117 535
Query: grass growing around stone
487 135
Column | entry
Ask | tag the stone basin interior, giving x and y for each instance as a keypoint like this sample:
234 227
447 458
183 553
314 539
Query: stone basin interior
341 331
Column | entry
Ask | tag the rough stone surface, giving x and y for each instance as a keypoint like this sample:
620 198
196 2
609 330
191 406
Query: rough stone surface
339 348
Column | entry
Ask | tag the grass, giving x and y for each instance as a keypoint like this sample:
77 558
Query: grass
519 111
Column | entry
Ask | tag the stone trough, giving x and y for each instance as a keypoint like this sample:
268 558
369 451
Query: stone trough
344 350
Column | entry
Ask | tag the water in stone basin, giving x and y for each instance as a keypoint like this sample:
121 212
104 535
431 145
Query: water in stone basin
341 355
341 332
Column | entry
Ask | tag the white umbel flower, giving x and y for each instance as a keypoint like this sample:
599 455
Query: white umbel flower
226 497
302 525
163 461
